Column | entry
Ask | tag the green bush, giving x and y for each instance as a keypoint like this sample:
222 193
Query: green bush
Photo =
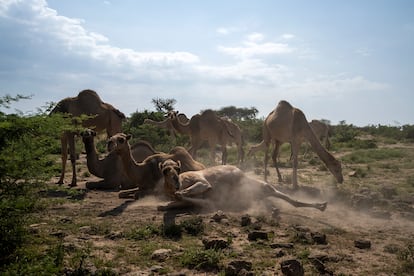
26 163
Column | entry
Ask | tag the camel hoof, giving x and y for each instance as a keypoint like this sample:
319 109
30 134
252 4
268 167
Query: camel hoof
322 206
161 208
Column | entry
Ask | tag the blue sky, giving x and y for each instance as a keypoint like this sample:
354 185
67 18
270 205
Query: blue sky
335 60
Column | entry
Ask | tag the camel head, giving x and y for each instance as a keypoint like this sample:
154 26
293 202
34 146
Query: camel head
336 169
87 133
118 142
170 169
173 114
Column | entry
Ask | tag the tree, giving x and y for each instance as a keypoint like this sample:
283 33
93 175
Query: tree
238 114
164 105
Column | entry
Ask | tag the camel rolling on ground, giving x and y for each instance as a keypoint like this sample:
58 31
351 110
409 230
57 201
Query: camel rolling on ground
286 124
222 186
103 117
110 168
146 174
206 126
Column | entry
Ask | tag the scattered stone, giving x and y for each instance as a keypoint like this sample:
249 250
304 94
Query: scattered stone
353 174
362 244
245 220
238 268
319 238
218 216
161 254
86 229
59 234
292 268
320 267
156 268
116 235
255 235
281 245
215 243
279 253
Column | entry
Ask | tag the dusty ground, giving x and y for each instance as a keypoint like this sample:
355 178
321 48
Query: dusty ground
94 228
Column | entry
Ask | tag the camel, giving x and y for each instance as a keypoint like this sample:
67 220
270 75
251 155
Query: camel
146 173
206 126
167 123
288 124
103 116
223 186
322 132
110 167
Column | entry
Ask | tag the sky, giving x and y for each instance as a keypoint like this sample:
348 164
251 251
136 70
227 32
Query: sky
349 61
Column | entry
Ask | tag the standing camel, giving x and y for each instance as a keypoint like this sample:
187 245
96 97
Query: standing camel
103 117
206 126
166 123
286 124
322 132
146 174
110 168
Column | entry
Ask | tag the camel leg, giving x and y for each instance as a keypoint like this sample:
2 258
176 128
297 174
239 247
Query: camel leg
295 152
224 154
266 159
270 190
72 153
194 190
64 156
240 156
274 158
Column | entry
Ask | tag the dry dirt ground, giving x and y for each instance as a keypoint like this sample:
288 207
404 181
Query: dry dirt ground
96 227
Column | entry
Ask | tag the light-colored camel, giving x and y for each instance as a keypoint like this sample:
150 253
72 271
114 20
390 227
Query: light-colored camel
103 117
286 124
222 186
110 168
166 123
206 126
146 173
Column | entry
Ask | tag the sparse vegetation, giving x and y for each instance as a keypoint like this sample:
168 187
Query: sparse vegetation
52 230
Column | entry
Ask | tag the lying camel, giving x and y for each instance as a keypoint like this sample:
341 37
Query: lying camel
206 126
222 186
103 116
288 124
110 167
146 173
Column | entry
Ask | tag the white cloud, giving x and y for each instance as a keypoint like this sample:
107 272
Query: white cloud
45 28
287 36
255 37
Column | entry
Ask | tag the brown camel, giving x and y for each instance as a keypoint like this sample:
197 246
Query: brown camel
236 137
286 124
103 116
221 187
167 123
146 173
322 132
206 126
110 168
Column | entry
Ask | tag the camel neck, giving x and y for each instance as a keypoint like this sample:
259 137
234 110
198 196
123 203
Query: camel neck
183 128
92 159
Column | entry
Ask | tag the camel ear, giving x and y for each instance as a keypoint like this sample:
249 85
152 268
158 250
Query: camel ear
160 166
179 163
93 133
129 136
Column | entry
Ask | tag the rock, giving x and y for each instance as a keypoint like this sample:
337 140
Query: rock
115 235
161 254
156 268
255 235
281 245
215 243
245 220
362 244
318 238
218 216
292 268
238 268
279 253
